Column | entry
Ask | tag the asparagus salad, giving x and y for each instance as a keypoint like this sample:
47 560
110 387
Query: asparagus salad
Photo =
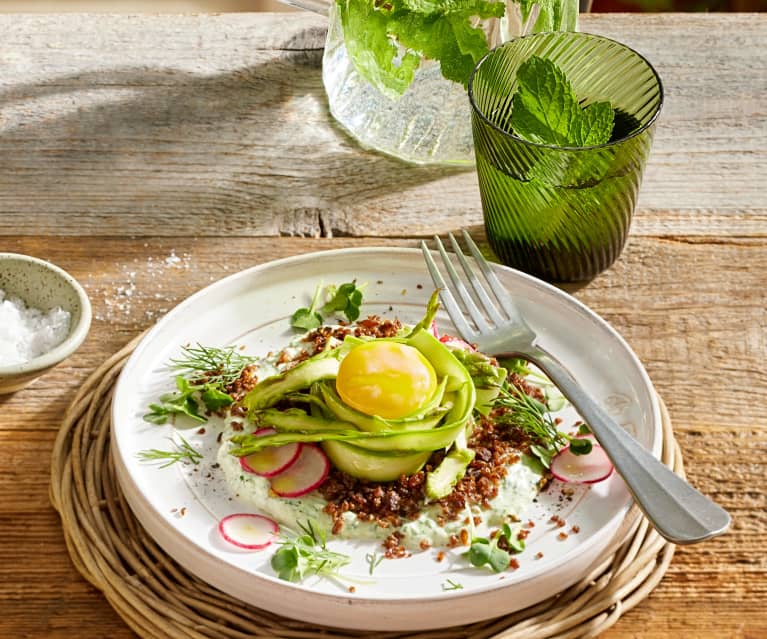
368 429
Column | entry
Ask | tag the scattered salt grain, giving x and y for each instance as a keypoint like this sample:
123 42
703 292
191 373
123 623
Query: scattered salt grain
26 333
136 282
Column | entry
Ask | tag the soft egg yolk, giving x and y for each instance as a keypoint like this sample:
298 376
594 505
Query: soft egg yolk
387 379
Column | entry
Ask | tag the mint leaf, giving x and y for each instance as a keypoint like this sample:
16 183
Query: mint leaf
546 109
386 42
444 31
595 125
553 15
374 54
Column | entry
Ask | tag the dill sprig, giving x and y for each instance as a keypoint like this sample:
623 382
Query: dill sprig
533 417
217 367
307 554
184 452
206 373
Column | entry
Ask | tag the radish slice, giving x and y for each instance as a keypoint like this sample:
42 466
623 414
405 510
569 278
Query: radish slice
309 471
582 469
456 342
248 531
270 461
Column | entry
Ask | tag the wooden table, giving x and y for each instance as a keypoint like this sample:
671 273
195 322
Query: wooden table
151 155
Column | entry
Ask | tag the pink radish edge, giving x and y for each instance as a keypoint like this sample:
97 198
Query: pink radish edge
582 469
304 475
450 340
456 342
271 461
248 530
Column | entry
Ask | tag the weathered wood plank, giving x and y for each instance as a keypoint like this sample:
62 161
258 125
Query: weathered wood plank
148 125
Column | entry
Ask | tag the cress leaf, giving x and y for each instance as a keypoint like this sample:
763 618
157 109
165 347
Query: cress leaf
215 399
544 455
285 563
499 559
485 552
479 552
178 403
584 429
346 298
158 415
580 446
511 535
306 319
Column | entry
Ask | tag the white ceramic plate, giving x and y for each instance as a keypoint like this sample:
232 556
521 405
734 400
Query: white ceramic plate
181 506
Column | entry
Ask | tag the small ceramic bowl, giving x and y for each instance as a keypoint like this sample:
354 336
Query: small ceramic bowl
44 286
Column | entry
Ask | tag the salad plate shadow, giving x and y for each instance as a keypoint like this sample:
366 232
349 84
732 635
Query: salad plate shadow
181 506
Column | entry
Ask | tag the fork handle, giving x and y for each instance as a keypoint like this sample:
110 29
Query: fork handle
678 511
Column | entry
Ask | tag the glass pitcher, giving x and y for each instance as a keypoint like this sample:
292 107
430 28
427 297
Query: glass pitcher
430 122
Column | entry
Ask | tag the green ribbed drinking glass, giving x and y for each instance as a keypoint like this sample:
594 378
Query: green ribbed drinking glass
562 213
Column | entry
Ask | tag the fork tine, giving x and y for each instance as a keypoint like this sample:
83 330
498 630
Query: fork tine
451 305
501 294
462 291
484 298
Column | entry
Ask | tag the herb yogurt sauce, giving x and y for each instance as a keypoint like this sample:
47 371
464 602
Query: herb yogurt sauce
515 492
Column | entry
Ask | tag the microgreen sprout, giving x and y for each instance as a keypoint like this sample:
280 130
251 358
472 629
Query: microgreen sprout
496 551
452 585
308 318
373 560
307 554
346 299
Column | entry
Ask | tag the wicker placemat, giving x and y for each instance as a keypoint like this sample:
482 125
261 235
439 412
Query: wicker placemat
158 598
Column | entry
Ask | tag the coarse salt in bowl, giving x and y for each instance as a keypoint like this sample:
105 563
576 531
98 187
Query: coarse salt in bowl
44 317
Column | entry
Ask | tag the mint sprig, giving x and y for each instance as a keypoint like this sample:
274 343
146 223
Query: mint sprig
386 40
546 109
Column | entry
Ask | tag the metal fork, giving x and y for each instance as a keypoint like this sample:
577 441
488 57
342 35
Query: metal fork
678 511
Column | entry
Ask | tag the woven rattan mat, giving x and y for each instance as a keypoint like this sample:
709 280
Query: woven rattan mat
158 598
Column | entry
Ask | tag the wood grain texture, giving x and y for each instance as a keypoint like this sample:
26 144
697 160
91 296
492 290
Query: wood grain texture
149 124
152 155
